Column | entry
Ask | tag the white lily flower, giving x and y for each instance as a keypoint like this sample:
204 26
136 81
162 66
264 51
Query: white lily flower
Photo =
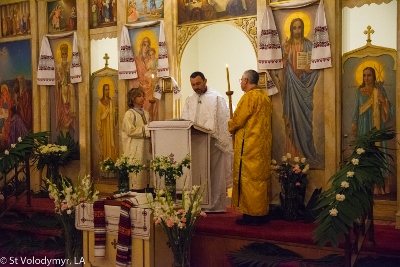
333 212
344 184
360 151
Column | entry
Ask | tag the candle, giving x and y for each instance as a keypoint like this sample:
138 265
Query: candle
227 77
153 84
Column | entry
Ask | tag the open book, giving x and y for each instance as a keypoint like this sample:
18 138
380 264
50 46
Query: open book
303 59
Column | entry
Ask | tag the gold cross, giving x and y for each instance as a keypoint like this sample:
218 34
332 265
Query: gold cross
369 31
106 57
114 243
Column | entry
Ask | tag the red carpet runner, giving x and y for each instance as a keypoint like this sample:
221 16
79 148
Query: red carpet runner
387 238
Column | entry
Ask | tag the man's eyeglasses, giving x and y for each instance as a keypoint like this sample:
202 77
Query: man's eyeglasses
240 80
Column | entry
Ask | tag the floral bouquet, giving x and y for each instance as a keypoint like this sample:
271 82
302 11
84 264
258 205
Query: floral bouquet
292 176
51 154
66 200
122 166
107 165
178 222
167 167
58 154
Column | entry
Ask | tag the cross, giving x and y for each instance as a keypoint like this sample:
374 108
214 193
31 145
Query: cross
369 31
114 243
106 57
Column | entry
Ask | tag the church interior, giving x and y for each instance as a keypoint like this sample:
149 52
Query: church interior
65 64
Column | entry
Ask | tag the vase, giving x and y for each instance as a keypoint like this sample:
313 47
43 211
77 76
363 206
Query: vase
291 203
53 175
181 259
170 187
123 182
73 239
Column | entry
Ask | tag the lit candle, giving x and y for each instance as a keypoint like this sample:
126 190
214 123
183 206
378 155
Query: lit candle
153 84
227 77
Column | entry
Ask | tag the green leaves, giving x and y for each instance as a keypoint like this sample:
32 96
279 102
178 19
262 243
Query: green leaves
20 151
365 168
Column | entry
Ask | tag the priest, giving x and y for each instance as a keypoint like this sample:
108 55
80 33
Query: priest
208 109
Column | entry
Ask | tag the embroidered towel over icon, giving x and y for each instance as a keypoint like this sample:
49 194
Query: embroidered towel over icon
269 50
175 89
162 67
321 51
46 68
126 63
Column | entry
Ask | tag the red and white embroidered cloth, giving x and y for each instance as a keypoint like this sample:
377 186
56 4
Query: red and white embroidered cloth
321 52
269 49
139 214
127 67
46 70
126 62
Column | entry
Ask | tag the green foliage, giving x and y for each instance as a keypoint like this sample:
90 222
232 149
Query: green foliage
20 151
310 213
268 254
350 196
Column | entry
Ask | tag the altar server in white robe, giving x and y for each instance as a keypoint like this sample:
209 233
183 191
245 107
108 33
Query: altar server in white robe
208 109
136 138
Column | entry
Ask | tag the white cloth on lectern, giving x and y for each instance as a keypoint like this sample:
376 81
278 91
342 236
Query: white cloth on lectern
211 112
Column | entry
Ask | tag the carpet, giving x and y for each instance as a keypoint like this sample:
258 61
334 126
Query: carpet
387 238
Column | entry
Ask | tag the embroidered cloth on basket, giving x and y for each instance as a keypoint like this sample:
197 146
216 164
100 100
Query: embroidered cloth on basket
127 66
46 69
321 52
102 218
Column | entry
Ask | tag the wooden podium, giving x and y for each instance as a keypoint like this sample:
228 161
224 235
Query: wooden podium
181 137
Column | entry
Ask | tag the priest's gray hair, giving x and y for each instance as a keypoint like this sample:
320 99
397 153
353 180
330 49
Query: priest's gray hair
252 76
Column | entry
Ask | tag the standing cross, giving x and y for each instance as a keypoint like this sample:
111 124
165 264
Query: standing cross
369 31
106 57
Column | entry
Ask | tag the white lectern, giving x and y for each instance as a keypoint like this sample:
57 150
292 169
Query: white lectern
181 137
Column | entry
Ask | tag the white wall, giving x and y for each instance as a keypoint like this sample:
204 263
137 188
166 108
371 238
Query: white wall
99 48
382 18
209 51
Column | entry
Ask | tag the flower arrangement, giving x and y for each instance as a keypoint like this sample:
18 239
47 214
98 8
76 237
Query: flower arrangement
60 153
66 200
122 166
51 154
292 177
107 165
178 221
350 199
166 166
